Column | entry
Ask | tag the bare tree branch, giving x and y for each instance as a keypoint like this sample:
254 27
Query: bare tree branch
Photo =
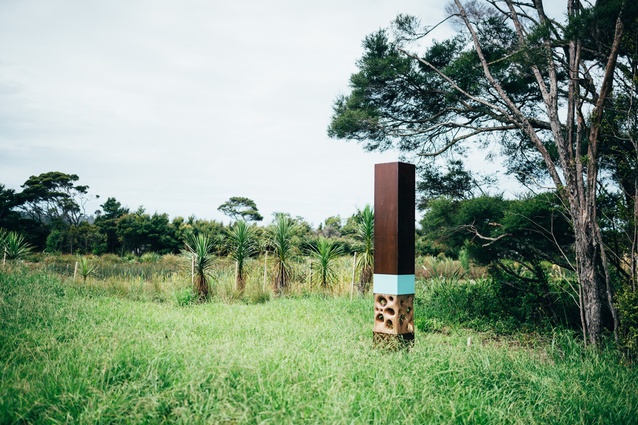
472 229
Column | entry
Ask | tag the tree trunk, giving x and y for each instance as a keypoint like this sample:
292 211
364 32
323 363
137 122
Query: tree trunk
592 302
240 282
279 284
364 280
202 288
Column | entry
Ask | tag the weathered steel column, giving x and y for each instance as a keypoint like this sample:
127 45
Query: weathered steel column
394 206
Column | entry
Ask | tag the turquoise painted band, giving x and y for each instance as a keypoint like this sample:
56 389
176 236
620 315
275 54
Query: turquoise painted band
393 284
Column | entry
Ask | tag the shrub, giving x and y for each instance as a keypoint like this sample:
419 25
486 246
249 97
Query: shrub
257 294
185 296
85 268
627 305
150 257
464 258
13 245
200 248
324 253
474 303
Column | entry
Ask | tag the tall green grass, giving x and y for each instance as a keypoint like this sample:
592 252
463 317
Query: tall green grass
74 353
454 294
161 277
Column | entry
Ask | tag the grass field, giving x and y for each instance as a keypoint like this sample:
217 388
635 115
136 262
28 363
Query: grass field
77 354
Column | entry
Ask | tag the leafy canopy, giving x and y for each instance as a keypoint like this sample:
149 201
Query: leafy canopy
240 208
54 196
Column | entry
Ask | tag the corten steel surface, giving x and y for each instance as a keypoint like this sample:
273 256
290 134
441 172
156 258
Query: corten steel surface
394 205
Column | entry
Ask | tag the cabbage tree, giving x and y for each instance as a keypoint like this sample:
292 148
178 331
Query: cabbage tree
13 245
280 237
365 259
324 252
200 248
241 239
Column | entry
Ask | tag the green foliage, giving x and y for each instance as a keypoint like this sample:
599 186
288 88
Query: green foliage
464 258
140 232
534 298
359 116
365 258
448 224
257 294
54 197
241 238
516 240
86 268
324 253
331 227
56 241
627 305
455 302
107 223
185 296
595 25
503 300
617 216
83 238
456 183
9 201
396 102
13 246
240 208
281 234
150 257
110 267
186 228
200 248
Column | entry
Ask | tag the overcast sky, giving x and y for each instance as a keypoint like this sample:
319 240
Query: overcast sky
179 105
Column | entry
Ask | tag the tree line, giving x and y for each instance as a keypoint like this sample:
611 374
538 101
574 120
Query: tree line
50 213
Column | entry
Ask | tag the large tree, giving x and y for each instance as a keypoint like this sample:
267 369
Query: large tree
515 75
106 220
52 201
141 232
54 197
515 239
9 201
241 208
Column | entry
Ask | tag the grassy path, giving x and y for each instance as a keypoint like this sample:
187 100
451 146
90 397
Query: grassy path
69 355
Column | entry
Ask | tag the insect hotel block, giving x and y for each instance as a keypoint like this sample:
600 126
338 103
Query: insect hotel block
394 206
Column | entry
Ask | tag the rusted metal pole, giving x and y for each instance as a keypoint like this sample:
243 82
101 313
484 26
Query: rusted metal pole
394 216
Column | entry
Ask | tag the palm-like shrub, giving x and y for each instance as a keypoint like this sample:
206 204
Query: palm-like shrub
242 246
324 252
365 260
281 234
86 268
200 247
13 245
